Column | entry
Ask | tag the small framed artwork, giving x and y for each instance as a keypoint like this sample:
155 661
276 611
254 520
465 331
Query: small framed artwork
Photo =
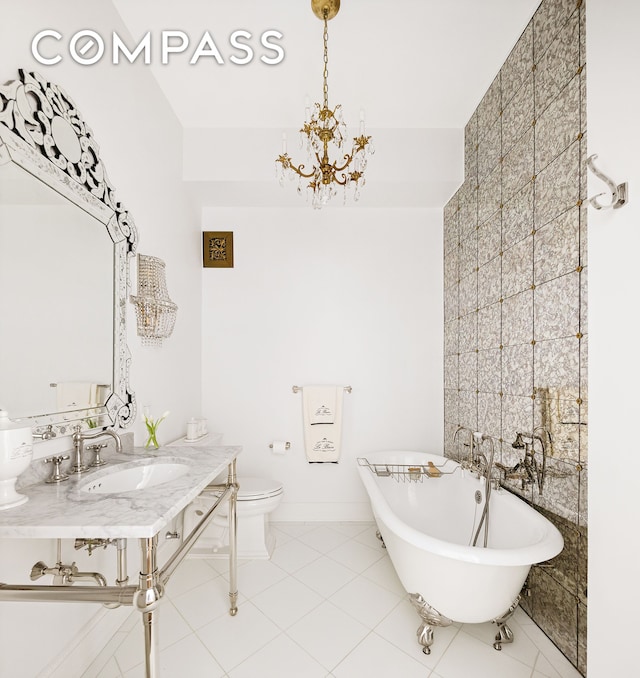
217 249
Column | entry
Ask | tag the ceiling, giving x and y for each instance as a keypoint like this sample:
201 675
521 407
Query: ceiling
413 66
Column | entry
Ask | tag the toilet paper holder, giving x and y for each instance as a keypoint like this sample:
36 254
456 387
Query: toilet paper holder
287 445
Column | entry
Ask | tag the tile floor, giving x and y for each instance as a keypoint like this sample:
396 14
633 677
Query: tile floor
327 605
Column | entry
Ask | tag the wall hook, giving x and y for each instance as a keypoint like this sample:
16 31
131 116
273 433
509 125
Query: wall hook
619 193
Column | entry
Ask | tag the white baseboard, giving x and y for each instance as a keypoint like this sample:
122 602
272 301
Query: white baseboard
337 512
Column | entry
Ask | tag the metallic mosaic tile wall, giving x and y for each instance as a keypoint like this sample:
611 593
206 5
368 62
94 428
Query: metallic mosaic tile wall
515 278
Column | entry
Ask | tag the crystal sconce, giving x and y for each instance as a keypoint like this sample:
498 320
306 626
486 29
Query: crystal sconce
155 312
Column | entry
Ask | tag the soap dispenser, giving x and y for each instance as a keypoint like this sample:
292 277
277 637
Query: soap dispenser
16 450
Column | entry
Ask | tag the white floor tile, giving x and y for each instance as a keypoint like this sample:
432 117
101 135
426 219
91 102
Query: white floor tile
325 576
188 658
131 652
171 626
136 672
316 634
323 539
551 653
544 668
218 565
258 575
203 604
374 656
308 615
231 640
293 555
356 556
110 670
366 601
190 573
133 619
281 658
369 537
282 537
104 659
383 574
352 530
295 529
467 656
287 601
522 617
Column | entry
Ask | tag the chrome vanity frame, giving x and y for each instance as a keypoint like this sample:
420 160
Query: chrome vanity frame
146 595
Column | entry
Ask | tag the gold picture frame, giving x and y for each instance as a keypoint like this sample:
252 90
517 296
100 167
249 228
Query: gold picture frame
217 249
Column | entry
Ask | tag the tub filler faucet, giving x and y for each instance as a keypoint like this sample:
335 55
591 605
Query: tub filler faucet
528 470
78 439
470 461
476 460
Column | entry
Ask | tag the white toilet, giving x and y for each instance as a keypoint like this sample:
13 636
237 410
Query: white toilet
257 498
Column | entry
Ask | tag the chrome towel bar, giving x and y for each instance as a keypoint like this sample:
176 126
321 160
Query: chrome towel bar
297 389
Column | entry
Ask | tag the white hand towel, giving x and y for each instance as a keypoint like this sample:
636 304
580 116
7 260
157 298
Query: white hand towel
72 395
322 416
320 402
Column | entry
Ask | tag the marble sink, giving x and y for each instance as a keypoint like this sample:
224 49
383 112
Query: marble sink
107 503
134 476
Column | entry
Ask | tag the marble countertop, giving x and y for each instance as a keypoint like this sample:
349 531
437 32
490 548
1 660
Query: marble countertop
63 511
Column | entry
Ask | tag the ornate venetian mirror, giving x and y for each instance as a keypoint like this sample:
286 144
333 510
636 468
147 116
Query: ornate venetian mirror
65 245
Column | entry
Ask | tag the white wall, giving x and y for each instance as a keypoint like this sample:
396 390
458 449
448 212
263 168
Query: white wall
141 144
613 53
338 296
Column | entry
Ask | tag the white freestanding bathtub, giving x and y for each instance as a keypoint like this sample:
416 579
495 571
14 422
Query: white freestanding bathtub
428 524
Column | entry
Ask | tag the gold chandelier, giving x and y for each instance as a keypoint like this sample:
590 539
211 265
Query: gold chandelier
322 127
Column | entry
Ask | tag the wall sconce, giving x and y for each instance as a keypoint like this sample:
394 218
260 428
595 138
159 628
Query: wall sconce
155 312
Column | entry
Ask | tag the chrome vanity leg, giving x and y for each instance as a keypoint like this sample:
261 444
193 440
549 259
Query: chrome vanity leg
122 577
430 617
147 599
505 634
233 541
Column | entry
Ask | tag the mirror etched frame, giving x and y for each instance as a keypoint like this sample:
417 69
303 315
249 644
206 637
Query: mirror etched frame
42 131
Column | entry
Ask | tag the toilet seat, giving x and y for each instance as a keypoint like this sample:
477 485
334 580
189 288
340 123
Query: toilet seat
252 488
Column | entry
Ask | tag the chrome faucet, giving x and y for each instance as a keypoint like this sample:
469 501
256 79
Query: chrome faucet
78 439
47 434
469 462
527 470
476 461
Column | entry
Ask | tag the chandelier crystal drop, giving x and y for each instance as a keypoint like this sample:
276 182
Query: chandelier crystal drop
324 130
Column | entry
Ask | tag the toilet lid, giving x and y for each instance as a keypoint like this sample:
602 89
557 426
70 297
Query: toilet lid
257 488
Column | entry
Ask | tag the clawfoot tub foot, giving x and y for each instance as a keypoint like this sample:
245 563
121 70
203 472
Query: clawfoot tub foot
505 634
430 617
425 637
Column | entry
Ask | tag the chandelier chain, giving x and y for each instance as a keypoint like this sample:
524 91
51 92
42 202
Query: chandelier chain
325 73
